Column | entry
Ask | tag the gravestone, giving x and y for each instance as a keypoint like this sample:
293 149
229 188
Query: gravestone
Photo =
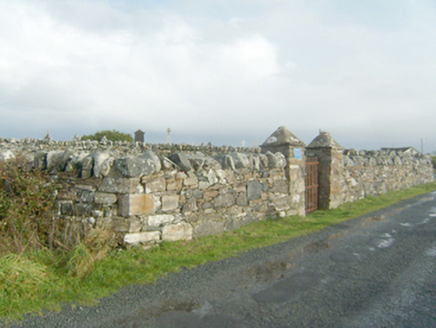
139 136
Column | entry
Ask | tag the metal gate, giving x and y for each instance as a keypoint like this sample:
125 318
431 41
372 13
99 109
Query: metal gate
312 168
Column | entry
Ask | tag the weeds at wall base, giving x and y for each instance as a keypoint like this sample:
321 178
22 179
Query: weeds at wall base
44 279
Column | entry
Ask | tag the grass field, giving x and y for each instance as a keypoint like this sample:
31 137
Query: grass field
36 280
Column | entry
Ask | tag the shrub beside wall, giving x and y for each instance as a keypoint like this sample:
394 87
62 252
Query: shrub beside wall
26 202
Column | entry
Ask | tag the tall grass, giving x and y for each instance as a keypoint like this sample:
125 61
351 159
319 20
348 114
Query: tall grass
25 281
39 255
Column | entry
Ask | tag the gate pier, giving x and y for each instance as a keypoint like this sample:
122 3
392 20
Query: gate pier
285 142
329 154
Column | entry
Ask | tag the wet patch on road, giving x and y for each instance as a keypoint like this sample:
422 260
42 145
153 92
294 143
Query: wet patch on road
269 270
290 288
384 241
360 252
337 235
340 226
376 218
186 306
190 320
315 247
345 257
431 252
425 221
175 313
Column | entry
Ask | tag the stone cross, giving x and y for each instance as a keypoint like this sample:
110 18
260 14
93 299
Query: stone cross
168 136
48 136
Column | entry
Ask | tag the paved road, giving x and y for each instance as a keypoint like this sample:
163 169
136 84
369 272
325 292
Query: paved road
375 271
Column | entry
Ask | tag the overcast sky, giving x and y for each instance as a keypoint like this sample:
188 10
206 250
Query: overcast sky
221 71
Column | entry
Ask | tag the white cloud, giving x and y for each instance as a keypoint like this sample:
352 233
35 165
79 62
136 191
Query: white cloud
79 66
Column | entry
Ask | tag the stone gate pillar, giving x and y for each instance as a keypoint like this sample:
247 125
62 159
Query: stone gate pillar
329 154
285 142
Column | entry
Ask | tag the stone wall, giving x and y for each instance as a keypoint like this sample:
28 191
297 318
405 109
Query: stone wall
349 175
154 193
160 193
368 173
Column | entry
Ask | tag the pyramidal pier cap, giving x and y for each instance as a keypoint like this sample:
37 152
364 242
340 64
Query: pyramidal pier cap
281 137
324 140
282 140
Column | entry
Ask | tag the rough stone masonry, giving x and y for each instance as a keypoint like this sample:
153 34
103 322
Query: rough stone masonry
154 193
349 175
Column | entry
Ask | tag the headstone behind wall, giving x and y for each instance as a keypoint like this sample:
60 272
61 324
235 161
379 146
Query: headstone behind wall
139 136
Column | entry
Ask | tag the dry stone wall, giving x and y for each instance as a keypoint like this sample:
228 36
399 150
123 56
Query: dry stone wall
369 173
160 193
154 193
349 175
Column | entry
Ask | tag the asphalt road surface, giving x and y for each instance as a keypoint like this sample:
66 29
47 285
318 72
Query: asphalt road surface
375 271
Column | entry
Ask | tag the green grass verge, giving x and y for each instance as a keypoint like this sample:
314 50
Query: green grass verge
40 280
